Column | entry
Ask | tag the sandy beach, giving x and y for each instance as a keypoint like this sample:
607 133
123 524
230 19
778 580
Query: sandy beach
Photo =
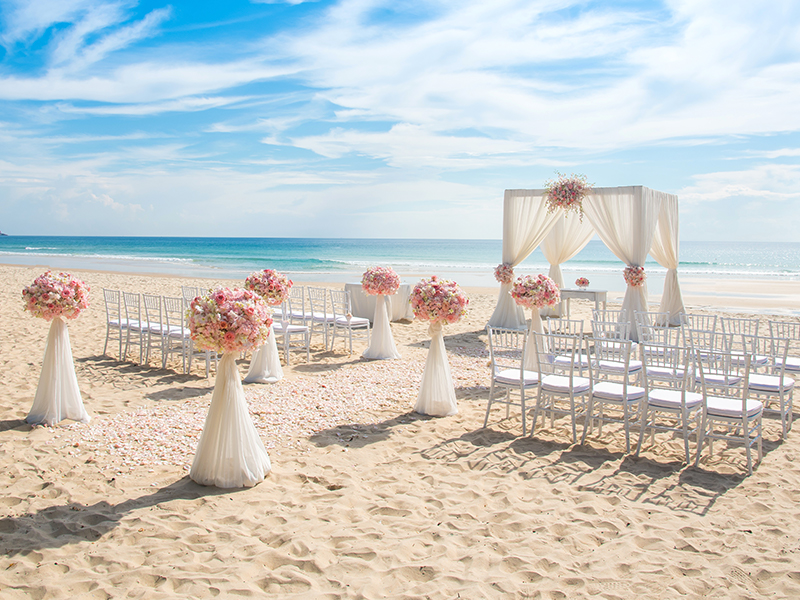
366 498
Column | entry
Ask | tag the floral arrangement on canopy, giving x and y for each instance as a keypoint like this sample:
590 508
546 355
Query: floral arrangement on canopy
51 296
380 281
270 285
229 320
582 282
535 292
634 276
567 193
504 273
439 301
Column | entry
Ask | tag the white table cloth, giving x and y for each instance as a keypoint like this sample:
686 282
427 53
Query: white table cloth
363 305
230 454
57 395
265 366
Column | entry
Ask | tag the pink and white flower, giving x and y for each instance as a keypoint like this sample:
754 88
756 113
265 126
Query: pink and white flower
504 273
634 276
567 193
270 285
51 296
582 282
535 292
229 320
439 301
380 281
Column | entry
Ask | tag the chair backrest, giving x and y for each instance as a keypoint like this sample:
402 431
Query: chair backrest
724 374
318 300
738 326
702 322
651 319
113 301
568 348
666 365
768 352
610 314
653 327
565 326
133 306
153 312
340 303
610 358
701 340
789 331
190 292
611 330
174 313
506 349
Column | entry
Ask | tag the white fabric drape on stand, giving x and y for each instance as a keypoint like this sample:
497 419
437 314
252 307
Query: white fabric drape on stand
57 395
265 366
665 251
526 222
230 454
568 236
532 356
625 219
437 394
381 342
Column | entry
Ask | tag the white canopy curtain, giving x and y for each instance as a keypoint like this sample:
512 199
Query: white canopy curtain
625 219
631 221
665 251
569 235
526 222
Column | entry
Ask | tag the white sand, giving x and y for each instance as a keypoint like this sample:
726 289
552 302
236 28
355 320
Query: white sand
366 499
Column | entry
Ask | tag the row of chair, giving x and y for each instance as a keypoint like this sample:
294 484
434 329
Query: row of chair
684 380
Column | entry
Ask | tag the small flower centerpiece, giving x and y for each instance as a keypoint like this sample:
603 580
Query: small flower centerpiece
51 296
567 193
582 282
230 453
272 286
54 298
437 301
535 292
504 273
634 276
228 320
380 281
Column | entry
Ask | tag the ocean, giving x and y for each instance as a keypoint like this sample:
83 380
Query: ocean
470 262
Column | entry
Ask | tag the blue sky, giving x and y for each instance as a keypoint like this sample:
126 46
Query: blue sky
366 118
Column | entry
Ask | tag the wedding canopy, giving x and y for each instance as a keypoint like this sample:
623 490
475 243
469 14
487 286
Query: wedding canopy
632 221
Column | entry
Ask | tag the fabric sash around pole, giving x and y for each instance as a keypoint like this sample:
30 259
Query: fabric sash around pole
57 395
230 453
437 394
665 251
381 343
265 366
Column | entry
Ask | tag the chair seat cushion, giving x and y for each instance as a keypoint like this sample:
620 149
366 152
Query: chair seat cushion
792 363
581 360
354 322
560 384
731 407
610 390
769 383
615 366
671 399
738 359
511 377
665 373
717 379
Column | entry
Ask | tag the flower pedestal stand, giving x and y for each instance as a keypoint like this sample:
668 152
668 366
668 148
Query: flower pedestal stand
437 394
57 395
265 366
532 358
230 454
381 344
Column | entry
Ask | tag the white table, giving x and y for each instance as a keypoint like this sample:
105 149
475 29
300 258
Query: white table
363 304
597 295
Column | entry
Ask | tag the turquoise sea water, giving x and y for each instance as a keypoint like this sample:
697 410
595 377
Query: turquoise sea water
470 262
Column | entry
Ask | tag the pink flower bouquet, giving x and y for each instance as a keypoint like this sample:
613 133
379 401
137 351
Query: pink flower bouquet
634 276
567 193
229 320
535 292
438 301
582 282
380 281
51 296
270 285
504 273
